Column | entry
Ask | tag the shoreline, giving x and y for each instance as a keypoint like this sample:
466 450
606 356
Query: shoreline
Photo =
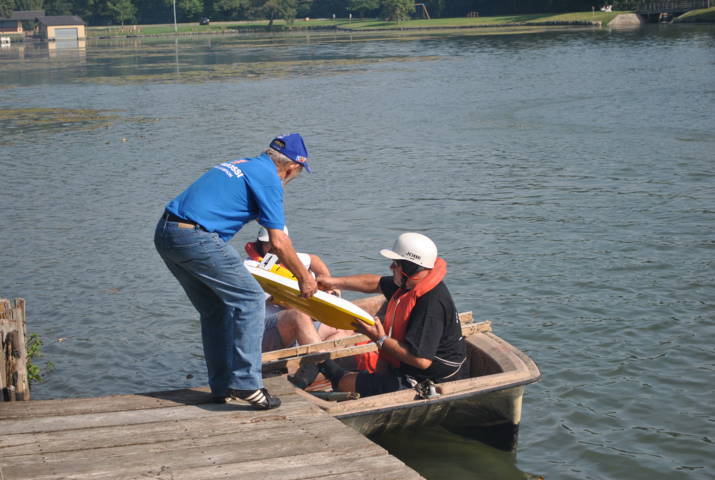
336 29
366 26
578 19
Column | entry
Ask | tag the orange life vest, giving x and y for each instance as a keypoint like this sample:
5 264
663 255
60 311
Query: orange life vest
252 252
397 317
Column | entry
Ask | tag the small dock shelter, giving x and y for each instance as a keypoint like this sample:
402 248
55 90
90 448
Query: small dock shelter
62 27
15 23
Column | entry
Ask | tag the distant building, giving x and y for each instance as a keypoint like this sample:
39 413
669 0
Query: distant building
62 27
13 25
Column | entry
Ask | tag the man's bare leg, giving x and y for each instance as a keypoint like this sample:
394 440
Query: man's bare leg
296 326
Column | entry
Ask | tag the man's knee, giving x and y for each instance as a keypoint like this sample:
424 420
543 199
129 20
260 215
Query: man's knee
294 320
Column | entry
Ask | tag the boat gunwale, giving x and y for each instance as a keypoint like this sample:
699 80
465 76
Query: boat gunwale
523 372
434 401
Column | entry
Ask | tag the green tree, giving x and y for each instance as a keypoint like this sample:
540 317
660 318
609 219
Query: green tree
6 8
229 9
363 7
59 7
397 10
154 11
121 11
274 9
87 10
189 9
434 7
27 5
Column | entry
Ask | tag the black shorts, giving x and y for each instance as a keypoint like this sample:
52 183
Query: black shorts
368 384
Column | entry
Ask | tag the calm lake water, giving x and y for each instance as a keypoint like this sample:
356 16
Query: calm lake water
567 177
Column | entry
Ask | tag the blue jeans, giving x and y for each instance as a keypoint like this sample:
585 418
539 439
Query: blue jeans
229 299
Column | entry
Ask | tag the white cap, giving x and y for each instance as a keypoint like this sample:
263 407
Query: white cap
413 247
263 234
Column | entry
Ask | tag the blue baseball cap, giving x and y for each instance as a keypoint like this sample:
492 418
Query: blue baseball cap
293 147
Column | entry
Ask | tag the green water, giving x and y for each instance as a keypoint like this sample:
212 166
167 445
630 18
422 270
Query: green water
567 178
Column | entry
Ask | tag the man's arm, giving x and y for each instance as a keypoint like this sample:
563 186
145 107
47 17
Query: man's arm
283 247
391 345
365 283
318 267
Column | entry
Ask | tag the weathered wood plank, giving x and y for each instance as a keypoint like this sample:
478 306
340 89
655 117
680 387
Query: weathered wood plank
138 433
321 355
76 406
313 347
14 382
113 403
130 417
464 318
479 327
191 453
371 462
354 465
261 439
159 436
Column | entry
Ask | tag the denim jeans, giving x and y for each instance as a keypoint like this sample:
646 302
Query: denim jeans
230 301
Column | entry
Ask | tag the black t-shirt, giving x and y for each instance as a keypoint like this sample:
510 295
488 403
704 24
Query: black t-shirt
433 332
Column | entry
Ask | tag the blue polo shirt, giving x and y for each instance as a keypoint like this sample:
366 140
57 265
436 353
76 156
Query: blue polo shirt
232 194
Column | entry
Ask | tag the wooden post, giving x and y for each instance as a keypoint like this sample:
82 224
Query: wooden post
13 352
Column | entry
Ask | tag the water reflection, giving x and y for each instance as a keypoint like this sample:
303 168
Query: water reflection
67 49
36 50
436 453
176 54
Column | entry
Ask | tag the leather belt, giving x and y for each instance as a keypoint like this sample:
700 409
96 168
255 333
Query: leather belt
182 222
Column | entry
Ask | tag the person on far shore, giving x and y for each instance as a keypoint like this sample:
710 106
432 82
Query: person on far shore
192 238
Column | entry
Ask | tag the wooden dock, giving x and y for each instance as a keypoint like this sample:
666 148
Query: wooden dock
182 435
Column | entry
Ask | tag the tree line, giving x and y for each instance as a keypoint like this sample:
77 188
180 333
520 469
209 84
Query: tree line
114 12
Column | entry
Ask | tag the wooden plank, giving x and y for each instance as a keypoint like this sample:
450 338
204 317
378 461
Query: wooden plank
350 466
313 348
13 351
319 356
282 434
114 403
160 437
145 432
464 318
372 463
295 362
473 328
129 417
3 365
329 436
75 406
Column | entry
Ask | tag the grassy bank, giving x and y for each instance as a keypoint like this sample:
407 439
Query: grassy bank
577 18
703 15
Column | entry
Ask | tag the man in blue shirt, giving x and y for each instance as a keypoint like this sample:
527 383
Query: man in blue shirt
192 238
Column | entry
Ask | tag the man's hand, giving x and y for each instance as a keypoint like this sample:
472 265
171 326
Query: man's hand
308 287
325 282
373 332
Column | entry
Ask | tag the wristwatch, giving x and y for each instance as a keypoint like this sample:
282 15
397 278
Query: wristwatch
380 341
